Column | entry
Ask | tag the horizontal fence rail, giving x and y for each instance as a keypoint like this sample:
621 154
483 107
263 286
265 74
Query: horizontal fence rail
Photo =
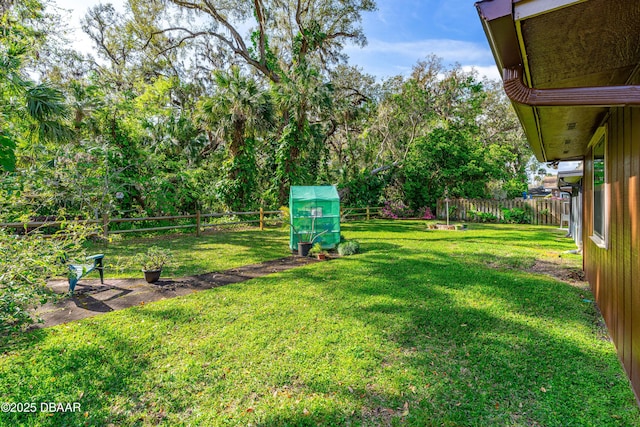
197 221
543 211
367 213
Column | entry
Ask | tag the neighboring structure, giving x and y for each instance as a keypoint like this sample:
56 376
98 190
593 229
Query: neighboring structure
571 69
548 188
571 182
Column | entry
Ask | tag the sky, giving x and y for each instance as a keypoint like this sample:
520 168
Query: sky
400 33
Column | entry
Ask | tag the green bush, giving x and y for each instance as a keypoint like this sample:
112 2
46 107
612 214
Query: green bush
27 262
516 216
349 247
481 216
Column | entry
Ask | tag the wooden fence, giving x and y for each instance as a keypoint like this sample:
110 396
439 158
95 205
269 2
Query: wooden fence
198 221
347 214
544 211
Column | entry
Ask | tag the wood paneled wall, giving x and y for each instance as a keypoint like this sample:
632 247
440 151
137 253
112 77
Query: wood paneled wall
614 272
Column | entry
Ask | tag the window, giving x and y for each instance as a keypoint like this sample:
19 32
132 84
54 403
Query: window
600 201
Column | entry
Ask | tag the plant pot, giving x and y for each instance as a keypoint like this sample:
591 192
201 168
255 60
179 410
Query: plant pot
152 276
321 256
304 248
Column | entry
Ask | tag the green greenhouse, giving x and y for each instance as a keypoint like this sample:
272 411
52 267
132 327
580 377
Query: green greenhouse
314 215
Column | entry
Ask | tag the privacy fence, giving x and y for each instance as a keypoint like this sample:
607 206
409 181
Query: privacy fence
198 222
541 211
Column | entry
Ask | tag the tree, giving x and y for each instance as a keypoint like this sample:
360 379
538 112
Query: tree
448 159
284 32
33 121
442 128
504 141
303 101
354 99
291 44
30 112
238 111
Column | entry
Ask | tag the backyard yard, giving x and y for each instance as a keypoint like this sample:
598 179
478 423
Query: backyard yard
423 328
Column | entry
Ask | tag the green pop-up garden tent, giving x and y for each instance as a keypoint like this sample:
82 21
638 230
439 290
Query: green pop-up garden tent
314 215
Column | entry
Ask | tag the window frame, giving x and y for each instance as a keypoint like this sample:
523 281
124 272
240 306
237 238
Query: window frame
601 240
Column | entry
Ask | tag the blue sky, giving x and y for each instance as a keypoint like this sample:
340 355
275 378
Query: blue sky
399 33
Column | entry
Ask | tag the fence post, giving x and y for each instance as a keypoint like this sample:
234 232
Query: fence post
368 214
105 225
261 219
198 223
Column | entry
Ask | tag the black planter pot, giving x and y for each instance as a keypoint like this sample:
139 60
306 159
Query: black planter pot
152 276
304 248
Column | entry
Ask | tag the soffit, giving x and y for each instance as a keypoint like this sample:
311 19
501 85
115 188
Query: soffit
591 43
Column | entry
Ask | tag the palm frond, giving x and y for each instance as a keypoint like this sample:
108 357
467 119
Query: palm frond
45 103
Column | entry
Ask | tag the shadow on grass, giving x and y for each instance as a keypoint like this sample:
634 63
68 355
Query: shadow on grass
198 255
94 372
493 340
435 340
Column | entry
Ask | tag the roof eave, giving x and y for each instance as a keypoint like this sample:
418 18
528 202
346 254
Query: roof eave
499 27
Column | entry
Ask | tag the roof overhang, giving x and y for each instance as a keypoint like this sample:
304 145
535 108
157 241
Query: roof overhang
570 178
565 62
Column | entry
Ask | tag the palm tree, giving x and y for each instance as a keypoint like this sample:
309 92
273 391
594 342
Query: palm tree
303 99
237 112
39 109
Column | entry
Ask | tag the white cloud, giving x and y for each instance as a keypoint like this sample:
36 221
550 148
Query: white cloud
490 72
385 59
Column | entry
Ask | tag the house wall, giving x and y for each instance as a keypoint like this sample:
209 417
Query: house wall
614 273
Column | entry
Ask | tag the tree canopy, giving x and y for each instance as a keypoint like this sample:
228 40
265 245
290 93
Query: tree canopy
189 104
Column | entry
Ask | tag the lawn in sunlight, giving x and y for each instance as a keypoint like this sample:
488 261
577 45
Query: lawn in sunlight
423 328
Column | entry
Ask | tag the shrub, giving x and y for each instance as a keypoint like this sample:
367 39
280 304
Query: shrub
481 216
516 216
453 212
315 249
427 213
153 259
349 247
27 262
286 216
396 210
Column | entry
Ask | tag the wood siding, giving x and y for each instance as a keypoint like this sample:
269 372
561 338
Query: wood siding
614 272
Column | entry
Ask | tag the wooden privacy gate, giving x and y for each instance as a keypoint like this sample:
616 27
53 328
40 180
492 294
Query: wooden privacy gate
544 211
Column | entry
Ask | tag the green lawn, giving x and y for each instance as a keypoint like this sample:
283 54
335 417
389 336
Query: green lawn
424 328
213 251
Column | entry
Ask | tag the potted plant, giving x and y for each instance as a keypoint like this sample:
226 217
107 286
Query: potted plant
307 238
152 262
318 252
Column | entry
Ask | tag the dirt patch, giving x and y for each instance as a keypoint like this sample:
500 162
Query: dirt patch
92 298
573 276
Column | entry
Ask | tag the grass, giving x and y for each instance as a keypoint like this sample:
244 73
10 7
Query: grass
191 255
424 328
